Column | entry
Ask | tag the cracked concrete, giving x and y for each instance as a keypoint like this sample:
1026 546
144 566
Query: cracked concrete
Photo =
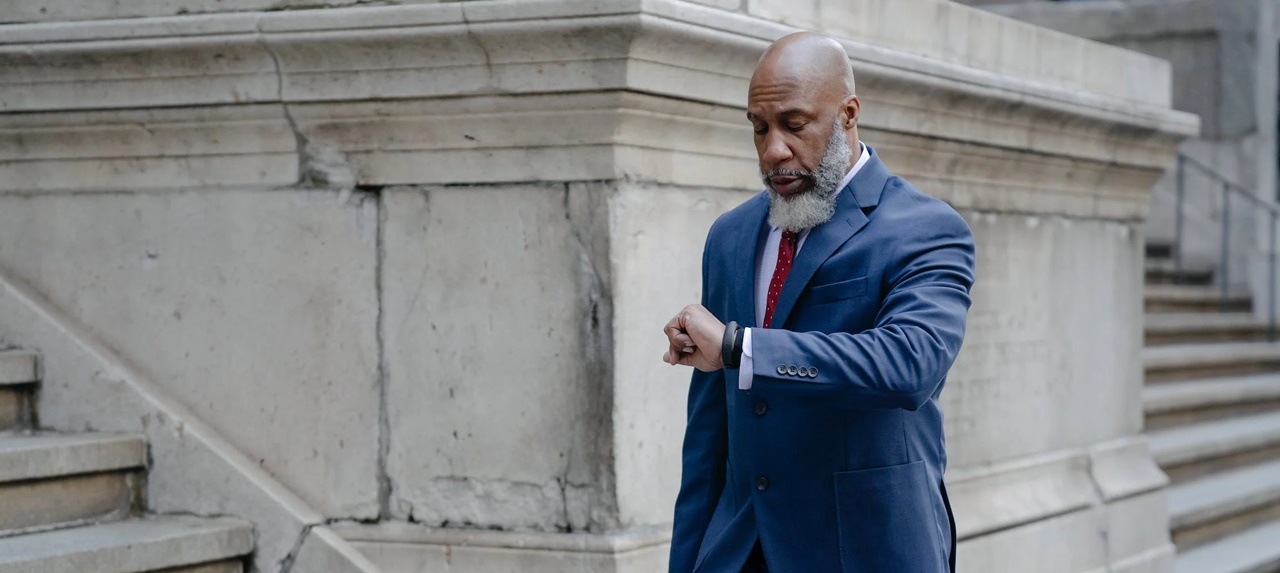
517 443
320 165
385 485
471 33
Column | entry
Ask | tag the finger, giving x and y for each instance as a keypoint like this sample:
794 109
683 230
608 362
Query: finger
672 331
682 340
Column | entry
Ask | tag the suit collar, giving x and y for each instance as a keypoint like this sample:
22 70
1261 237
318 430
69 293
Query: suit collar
869 182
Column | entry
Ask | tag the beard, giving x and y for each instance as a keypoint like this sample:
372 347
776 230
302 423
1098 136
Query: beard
815 205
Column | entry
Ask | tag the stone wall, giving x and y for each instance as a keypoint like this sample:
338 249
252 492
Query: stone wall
403 268
1224 62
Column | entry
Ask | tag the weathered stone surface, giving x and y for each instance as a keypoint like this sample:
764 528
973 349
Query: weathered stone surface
192 469
70 10
324 551
497 331
1034 352
256 309
657 233
406 548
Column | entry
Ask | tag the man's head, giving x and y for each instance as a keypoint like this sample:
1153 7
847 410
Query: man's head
802 106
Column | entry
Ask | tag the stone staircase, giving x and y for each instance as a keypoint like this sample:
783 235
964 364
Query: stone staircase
1212 406
73 503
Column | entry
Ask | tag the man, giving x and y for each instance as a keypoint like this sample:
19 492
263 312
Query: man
814 440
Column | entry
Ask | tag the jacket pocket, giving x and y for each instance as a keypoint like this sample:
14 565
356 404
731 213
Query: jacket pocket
886 520
838 291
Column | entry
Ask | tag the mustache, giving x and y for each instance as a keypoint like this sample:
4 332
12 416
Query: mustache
786 173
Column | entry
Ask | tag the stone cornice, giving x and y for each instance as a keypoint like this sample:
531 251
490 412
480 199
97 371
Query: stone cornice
505 47
503 91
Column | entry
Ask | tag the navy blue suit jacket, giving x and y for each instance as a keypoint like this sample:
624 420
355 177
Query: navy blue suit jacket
841 471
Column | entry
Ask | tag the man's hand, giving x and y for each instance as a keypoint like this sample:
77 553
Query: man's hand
695 336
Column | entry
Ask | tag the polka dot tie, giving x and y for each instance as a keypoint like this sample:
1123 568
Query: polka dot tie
786 255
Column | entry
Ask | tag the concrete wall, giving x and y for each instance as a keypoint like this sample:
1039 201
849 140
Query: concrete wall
402 269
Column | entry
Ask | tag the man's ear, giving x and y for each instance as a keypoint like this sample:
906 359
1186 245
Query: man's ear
852 107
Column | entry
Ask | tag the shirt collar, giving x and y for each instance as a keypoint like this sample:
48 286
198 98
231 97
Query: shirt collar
863 157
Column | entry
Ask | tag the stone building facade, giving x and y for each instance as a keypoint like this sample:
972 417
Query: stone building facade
387 281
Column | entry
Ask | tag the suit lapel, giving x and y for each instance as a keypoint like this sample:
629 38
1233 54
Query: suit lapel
862 192
745 264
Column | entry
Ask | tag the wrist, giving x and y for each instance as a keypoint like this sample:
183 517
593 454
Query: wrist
731 345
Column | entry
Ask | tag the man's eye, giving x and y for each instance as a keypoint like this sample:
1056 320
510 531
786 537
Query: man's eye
760 130
796 127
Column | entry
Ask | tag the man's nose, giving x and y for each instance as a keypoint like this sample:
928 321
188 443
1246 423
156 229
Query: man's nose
776 151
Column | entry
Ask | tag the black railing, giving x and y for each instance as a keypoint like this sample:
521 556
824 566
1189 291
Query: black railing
1222 271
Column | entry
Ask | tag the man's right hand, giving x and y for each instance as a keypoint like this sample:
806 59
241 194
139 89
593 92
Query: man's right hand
694 336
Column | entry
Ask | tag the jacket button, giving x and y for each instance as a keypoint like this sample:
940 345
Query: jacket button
792 370
762 483
813 372
782 369
761 407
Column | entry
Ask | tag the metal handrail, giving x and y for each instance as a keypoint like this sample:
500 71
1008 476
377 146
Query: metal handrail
1228 187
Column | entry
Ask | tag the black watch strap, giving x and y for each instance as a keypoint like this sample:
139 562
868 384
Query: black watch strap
729 344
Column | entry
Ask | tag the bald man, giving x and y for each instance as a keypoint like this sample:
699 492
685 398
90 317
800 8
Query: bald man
814 439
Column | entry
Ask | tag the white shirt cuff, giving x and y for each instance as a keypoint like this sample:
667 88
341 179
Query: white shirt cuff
744 368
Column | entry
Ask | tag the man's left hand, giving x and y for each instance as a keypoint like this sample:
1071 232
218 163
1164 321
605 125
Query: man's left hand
695 336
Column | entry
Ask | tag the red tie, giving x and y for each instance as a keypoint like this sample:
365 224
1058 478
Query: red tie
786 254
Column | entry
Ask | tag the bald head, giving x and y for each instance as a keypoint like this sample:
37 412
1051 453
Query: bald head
814 61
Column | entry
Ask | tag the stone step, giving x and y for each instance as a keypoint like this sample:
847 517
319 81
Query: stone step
1164 271
19 372
177 543
1181 298
1190 361
1159 250
1193 401
1196 327
1197 450
19 367
1223 504
52 480
1255 550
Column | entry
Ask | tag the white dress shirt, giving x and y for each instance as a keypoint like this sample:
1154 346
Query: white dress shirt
764 274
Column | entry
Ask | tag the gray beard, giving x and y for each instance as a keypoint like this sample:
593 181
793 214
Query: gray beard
817 205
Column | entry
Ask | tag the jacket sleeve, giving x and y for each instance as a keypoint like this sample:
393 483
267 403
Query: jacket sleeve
902 360
706 444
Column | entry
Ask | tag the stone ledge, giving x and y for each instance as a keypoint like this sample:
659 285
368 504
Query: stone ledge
1004 496
19 367
128 546
39 456
402 532
399 546
1018 162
